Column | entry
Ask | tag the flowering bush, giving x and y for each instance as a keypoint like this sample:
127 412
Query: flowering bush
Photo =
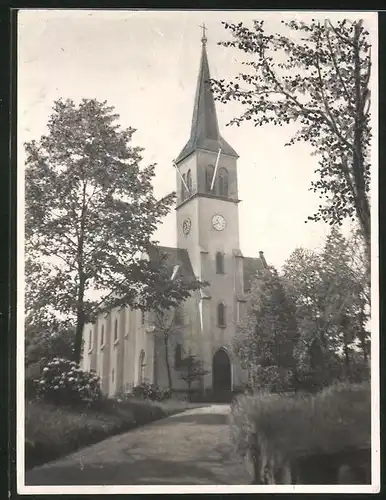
151 391
63 382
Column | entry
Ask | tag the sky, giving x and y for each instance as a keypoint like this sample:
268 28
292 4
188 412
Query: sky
145 64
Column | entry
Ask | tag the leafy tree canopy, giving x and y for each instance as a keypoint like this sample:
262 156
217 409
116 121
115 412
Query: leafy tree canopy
90 212
316 76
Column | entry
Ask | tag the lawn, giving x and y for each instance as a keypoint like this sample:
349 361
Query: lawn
53 431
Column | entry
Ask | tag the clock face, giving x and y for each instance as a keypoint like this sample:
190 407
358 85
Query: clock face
218 222
186 225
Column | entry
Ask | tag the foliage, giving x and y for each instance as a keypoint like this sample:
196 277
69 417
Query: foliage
90 213
192 370
151 392
264 343
335 419
315 76
63 382
330 294
47 341
271 378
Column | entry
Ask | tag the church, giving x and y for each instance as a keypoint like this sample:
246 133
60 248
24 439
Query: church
125 347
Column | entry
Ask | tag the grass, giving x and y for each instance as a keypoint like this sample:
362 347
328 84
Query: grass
333 421
53 431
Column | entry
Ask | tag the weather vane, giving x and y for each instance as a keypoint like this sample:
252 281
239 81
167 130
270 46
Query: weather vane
204 39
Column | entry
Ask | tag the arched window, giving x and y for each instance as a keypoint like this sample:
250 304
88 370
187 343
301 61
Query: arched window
103 334
219 263
189 182
208 177
178 316
183 188
116 330
178 356
221 320
223 181
141 368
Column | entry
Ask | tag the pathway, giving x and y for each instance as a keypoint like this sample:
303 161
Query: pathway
190 448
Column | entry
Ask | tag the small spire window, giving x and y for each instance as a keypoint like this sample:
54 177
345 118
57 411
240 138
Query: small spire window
223 181
219 263
90 340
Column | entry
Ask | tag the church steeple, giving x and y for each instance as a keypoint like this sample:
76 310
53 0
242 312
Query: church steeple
204 132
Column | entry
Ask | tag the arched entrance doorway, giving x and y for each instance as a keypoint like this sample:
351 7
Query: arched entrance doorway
222 376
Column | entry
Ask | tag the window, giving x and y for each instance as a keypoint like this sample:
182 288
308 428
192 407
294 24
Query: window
103 334
90 340
112 375
221 315
223 181
143 317
189 182
142 365
177 317
208 177
183 188
178 356
116 330
219 263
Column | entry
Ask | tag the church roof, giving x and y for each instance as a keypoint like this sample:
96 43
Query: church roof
173 257
204 132
180 256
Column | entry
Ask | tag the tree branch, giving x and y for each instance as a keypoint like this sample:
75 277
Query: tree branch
339 74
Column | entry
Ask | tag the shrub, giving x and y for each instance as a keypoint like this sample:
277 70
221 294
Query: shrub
151 392
335 419
271 378
63 382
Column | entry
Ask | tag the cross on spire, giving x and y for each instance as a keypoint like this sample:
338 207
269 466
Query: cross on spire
204 39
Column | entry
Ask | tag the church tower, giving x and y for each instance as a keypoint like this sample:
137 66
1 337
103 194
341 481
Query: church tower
208 220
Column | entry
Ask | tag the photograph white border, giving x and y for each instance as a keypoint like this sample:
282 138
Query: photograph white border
375 395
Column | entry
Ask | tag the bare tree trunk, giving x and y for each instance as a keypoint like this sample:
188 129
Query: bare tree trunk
80 322
167 361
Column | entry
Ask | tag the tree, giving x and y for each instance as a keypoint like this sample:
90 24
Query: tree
90 212
269 330
164 292
193 370
329 297
317 76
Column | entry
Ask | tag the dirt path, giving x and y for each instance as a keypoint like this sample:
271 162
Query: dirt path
190 448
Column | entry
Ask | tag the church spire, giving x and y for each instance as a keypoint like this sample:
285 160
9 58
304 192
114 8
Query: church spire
204 132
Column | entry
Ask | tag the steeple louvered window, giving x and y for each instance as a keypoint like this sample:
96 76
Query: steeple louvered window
183 188
223 181
189 182
209 172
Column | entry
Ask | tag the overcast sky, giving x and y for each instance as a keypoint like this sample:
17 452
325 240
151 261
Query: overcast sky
145 64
